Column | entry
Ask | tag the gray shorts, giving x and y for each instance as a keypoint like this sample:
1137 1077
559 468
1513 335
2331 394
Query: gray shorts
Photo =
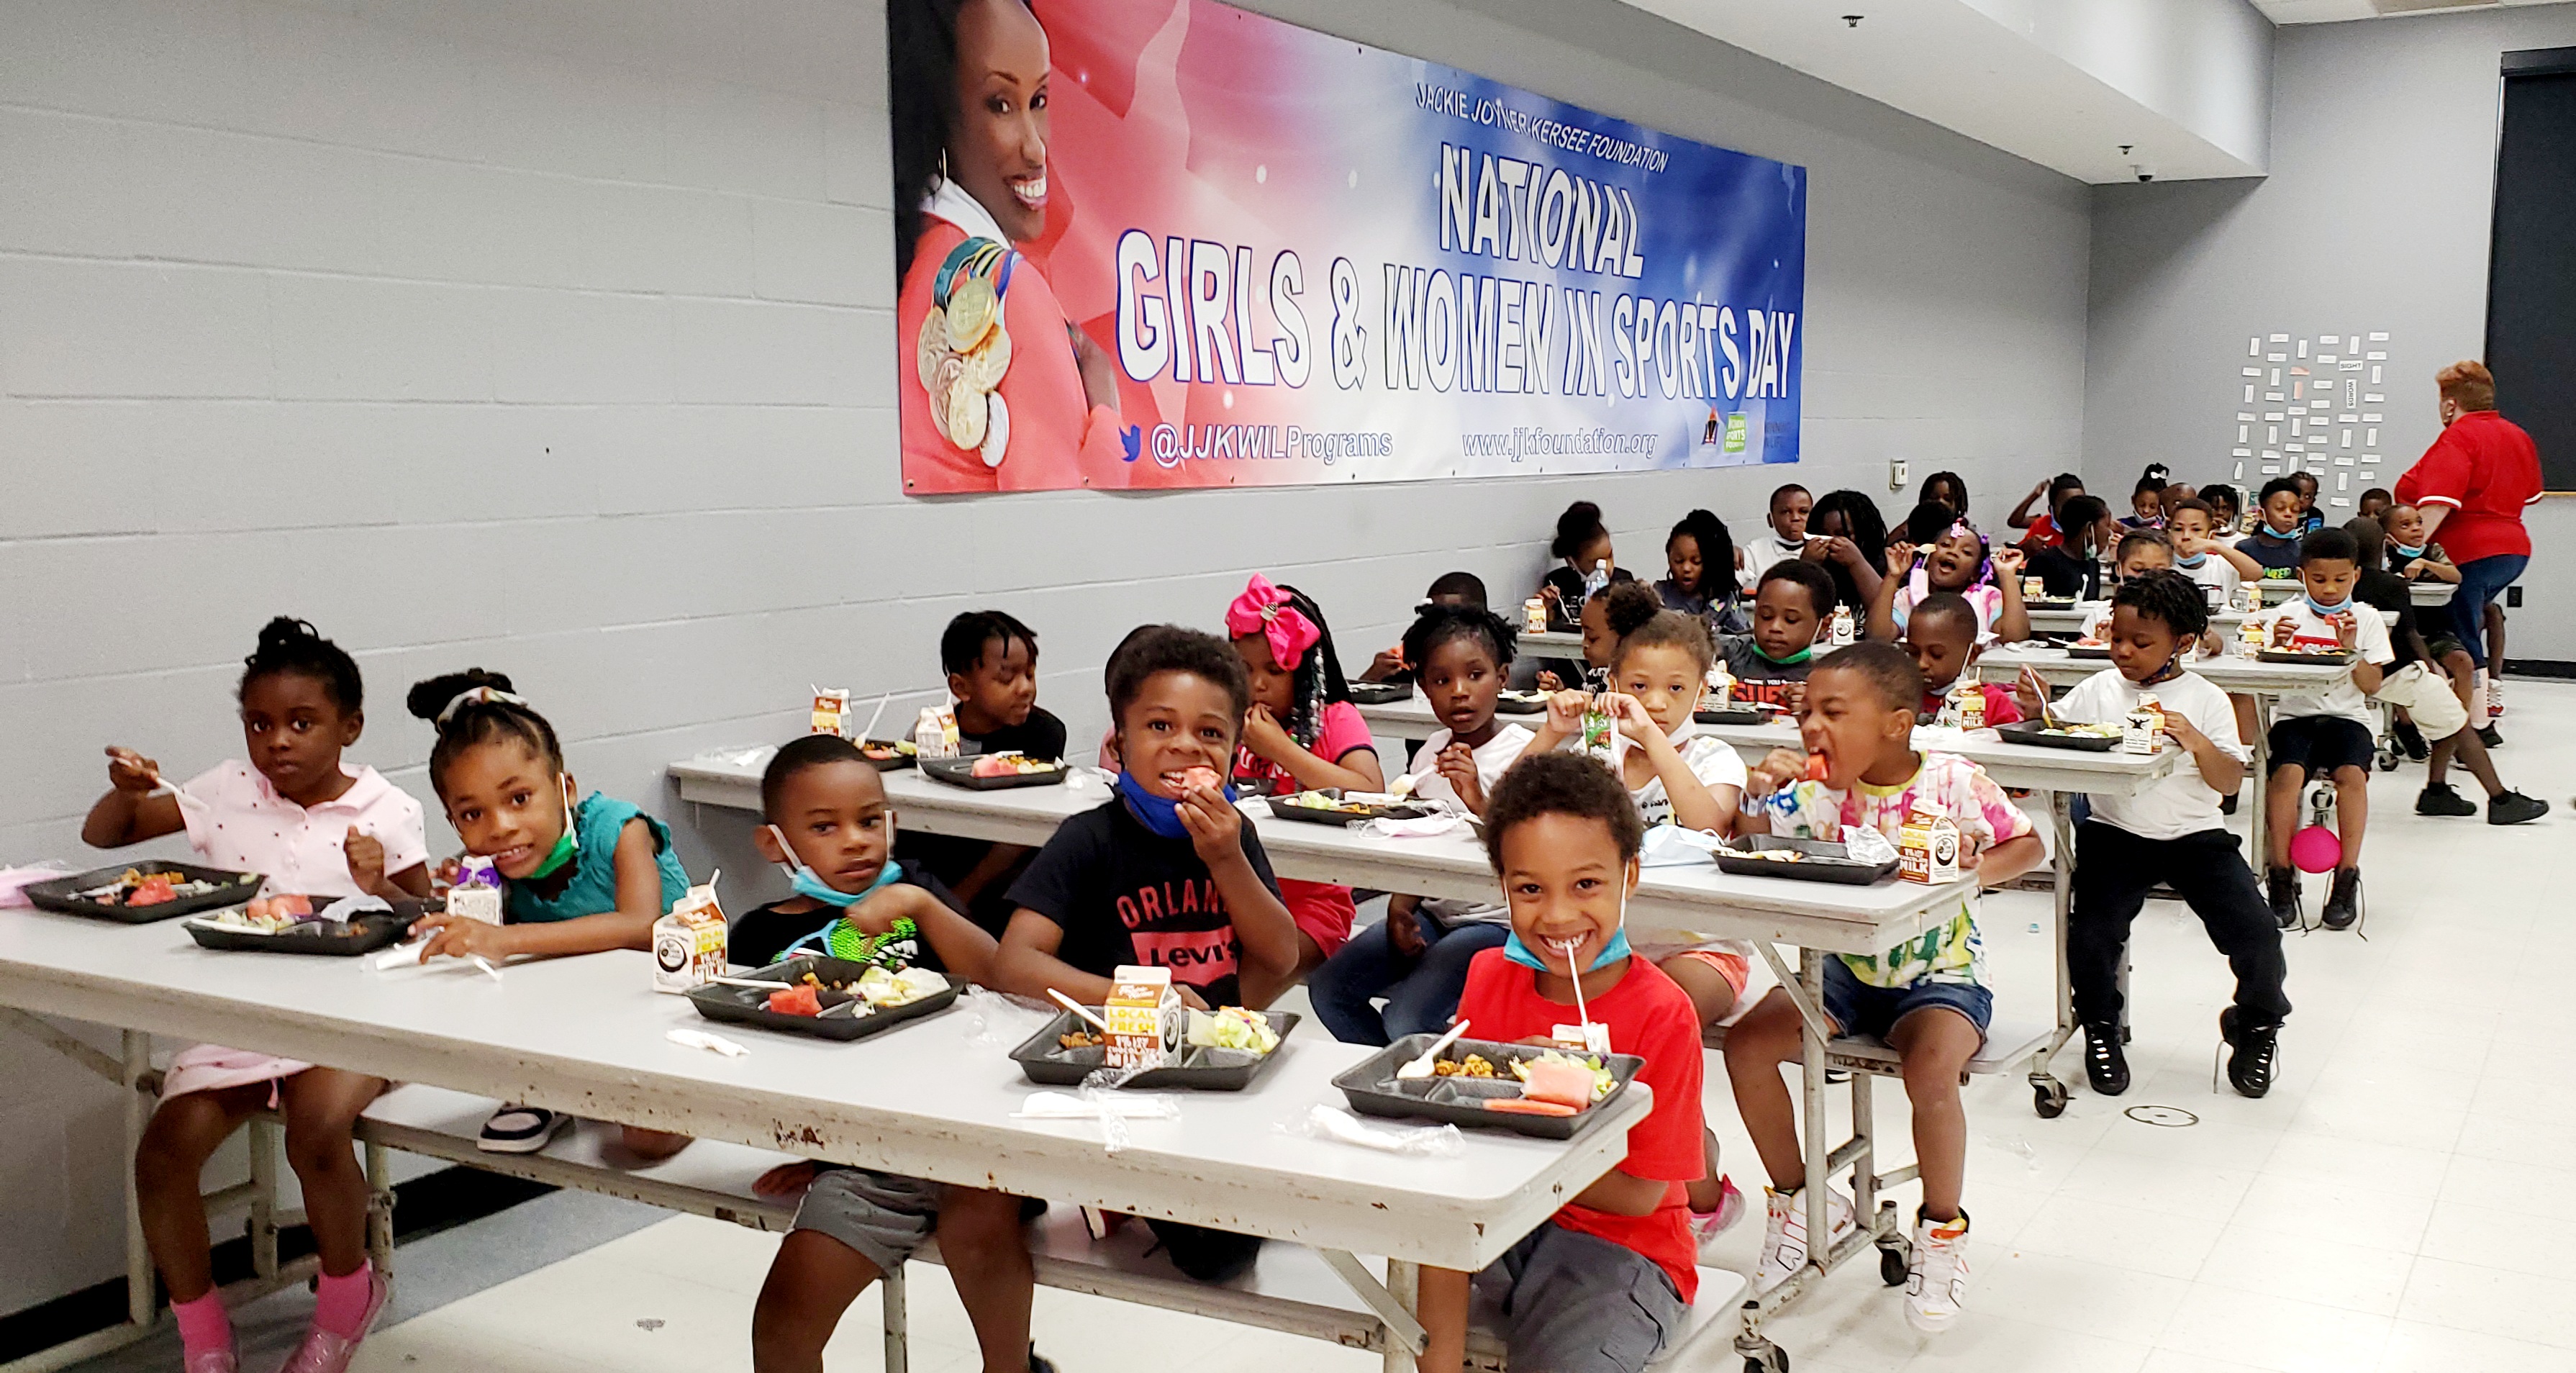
883 1216
1568 1302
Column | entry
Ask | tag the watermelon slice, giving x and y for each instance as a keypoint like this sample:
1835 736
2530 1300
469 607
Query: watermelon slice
1556 1080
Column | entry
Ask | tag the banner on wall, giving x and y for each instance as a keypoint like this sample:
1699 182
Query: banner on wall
1244 253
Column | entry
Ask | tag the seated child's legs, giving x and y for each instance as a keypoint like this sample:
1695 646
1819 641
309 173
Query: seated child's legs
322 1106
2352 811
652 1146
1758 1044
853 1227
1580 1304
1935 1028
1426 1000
982 1240
1713 978
1344 988
185 1131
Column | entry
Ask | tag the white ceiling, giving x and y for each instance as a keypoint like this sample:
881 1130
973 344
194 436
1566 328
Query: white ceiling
1992 71
2329 11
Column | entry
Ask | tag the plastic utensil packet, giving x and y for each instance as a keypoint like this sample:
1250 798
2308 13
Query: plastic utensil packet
700 1039
1099 1100
991 1019
1415 1141
1867 845
1427 827
15 881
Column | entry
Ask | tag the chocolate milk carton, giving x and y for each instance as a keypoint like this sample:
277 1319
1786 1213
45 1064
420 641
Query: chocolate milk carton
832 712
1927 846
689 943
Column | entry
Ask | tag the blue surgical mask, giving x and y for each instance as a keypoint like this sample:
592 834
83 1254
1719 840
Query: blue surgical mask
1159 814
1611 952
810 884
2321 609
2194 560
2404 552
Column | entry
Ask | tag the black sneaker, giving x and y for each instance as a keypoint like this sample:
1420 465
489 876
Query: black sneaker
2513 808
2105 1065
2252 1047
2410 738
2487 735
2438 798
2283 894
1038 1364
2343 904
2227 804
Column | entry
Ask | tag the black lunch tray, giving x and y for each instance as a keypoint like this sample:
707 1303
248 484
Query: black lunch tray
895 764
1206 1070
1825 862
1380 693
1282 807
2282 655
1373 1089
2097 652
1505 705
56 895
365 932
749 1005
960 772
2049 602
1732 715
2036 734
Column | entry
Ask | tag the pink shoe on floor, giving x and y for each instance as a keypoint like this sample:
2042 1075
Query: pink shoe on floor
325 1352
212 1361
1707 1226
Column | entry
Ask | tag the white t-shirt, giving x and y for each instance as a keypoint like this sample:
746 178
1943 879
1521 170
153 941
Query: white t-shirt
2179 803
1761 552
2213 571
1492 760
1712 760
2308 629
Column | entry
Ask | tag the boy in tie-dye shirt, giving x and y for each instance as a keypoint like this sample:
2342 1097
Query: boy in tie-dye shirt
1926 997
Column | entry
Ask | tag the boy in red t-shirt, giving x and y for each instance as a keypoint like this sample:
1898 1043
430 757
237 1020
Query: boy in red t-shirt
1942 636
1606 1281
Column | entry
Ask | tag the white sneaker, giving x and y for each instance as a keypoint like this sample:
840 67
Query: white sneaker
520 1130
1936 1283
2495 695
1784 1234
1709 1229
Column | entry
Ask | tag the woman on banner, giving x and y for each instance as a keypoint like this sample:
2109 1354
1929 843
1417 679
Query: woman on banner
999 390
2472 485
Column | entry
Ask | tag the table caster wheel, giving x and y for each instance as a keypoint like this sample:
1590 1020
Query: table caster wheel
1771 1360
1894 1266
2048 1098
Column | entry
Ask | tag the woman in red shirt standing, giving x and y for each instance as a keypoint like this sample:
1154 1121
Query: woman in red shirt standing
2472 485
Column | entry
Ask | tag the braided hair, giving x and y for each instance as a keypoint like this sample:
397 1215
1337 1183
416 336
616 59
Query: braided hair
488 719
2169 596
291 645
1439 624
1319 681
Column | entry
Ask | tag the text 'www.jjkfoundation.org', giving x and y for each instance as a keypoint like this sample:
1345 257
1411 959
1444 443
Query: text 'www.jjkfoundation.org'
1524 442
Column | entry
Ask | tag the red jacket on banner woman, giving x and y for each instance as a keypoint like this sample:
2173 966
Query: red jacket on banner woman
999 390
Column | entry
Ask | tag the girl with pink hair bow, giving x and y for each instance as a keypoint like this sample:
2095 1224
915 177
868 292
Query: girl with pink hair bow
1301 734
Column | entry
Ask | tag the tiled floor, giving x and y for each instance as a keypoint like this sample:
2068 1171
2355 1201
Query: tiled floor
2398 1204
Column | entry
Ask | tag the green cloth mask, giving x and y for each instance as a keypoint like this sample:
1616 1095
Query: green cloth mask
565 844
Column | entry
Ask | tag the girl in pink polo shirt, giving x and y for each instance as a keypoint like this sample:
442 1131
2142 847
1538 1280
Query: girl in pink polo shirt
313 825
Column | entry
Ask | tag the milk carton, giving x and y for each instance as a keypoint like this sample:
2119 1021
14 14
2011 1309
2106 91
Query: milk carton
1721 686
1927 846
832 712
2144 730
1844 628
477 893
1144 1016
689 943
1970 700
1534 616
934 734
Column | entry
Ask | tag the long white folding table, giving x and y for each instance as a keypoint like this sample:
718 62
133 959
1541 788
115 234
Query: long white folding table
586 1035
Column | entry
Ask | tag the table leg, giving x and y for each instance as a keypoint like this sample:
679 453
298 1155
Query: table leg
142 1304
2258 825
2048 1095
898 1346
1811 1049
1404 1284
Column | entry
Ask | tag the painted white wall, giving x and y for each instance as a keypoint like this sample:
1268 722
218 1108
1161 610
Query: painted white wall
555 337
2376 217
2204 64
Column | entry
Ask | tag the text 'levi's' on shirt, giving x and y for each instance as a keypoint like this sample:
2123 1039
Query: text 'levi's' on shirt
1125 895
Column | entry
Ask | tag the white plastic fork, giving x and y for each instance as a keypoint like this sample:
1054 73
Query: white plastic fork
1420 1067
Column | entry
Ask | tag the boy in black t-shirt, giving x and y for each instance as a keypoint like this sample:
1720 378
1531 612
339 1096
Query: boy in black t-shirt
992 664
827 822
1166 873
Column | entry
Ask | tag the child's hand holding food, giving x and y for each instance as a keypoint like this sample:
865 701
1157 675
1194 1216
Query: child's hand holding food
366 855
129 771
1778 769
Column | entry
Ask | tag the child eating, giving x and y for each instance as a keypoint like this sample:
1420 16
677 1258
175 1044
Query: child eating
1417 957
825 820
2201 554
1926 998
992 664
315 827
579 878
1449 588
1790 608
2170 832
1956 564
1942 636
1784 537
1600 1284
1699 563
1301 734
1166 873
2327 734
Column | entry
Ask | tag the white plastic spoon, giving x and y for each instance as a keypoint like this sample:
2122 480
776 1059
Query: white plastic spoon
1420 1067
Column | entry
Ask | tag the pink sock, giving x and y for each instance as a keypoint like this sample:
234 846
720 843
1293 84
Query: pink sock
340 1304
203 1323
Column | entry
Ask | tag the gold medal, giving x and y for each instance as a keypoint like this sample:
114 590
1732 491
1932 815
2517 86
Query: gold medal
966 414
932 345
991 358
971 308
997 431
943 379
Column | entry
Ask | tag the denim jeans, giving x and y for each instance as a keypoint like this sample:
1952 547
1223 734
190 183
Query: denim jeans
2481 581
1421 992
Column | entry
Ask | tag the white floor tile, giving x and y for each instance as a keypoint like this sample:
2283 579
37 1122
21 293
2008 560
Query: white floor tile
2489 1238
2493 1301
2273 1332
2304 1268
2414 1347
2341 1213
2151 1242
